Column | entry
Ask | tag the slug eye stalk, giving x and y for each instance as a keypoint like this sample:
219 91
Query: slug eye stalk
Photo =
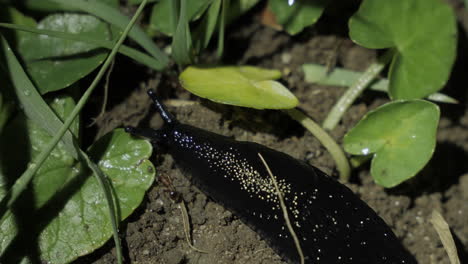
166 116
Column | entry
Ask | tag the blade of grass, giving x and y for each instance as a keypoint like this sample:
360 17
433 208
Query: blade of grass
22 182
316 73
112 16
205 30
111 200
327 141
222 24
127 51
443 230
355 90
182 40
31 101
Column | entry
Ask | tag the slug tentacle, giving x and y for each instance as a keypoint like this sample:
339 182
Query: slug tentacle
333 225
166 115
156 136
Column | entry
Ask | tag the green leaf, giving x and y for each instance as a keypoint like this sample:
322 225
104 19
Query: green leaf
238 8
239 85
70 217
55 63
31 101
205 30
137 2
182 40
134 54
402 137
11 15
106 13
295 17
161 15
52 6
424 34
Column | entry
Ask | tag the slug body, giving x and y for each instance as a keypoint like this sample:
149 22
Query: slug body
332 224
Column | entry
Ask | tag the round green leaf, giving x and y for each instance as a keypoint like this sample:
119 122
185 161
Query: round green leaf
402 137
423 33
70 210
239 85
295 17
55 63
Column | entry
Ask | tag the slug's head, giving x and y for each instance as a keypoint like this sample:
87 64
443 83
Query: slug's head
156 136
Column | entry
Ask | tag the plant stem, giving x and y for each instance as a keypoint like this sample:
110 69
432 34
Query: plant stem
355 90
327 141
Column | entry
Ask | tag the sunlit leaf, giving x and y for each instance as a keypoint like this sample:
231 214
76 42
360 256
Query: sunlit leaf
239 85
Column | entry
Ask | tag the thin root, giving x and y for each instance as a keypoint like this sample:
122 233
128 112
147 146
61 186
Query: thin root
185 220
285 211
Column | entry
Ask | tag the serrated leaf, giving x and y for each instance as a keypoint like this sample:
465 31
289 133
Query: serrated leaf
55 63
424 34
69 211
401 135
239 85
299 14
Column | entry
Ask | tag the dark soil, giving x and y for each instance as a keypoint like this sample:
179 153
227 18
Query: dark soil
154 233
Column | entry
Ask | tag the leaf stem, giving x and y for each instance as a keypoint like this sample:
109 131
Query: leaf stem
355 90
327 141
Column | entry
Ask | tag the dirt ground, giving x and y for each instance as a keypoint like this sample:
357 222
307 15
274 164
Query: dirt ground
155 234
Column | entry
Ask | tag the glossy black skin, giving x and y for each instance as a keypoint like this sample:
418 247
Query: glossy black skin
332 223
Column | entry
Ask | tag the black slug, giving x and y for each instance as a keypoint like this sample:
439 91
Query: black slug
332 224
